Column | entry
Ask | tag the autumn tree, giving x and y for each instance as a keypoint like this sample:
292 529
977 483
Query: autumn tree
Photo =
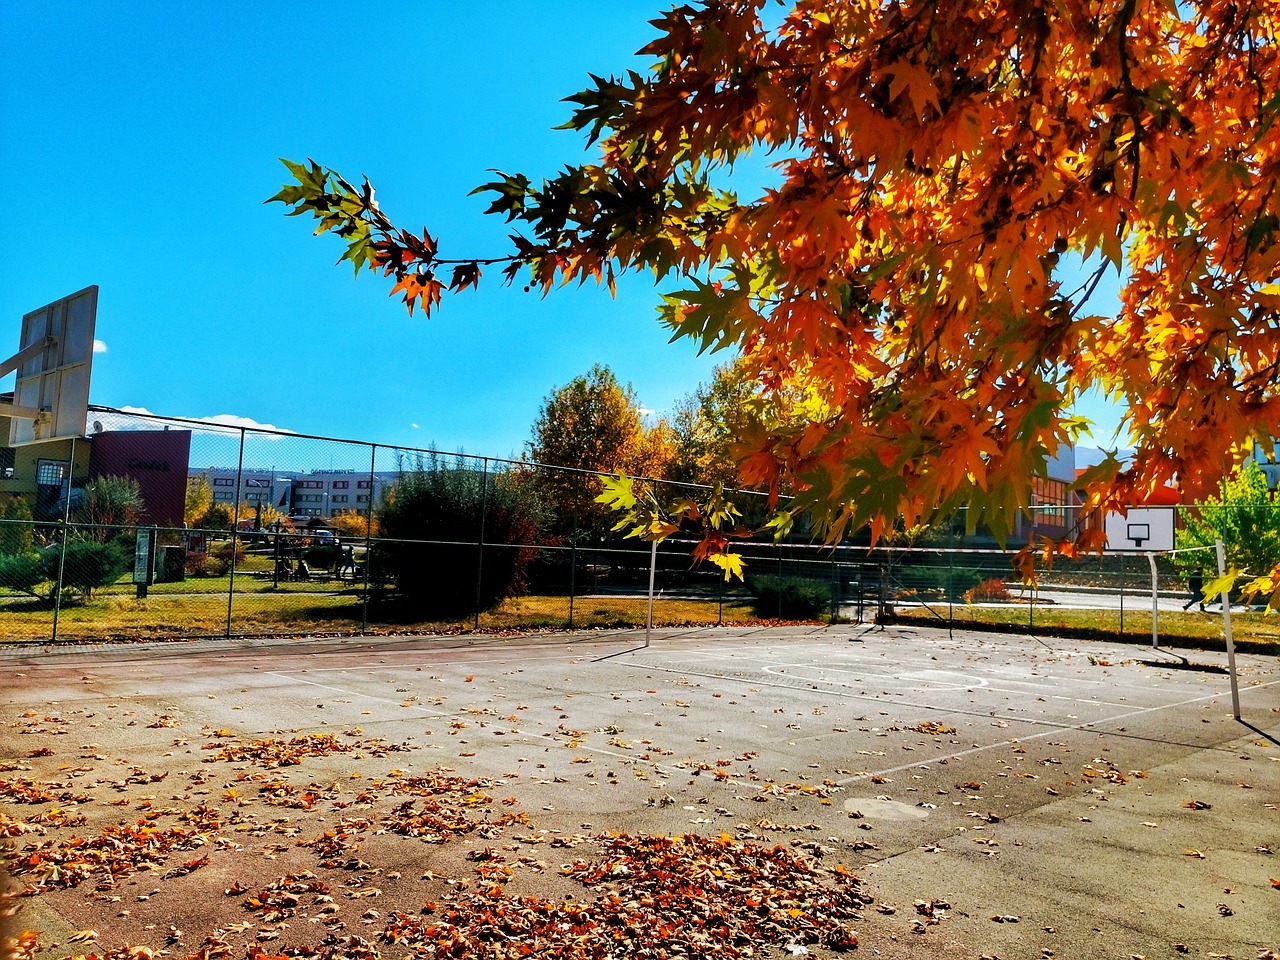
1243 514
939 171
199 499
708 424
592 425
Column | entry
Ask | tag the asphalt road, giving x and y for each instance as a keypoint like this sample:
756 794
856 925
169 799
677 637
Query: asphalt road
997 796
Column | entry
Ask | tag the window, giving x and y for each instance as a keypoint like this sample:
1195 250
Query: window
362 484
311 484
224 496
362 498
50 473
224 481
340 484
340 498
6 462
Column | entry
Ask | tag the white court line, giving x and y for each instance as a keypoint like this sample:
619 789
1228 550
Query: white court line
1003 744
923 684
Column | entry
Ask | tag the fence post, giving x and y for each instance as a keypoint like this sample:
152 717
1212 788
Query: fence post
66 533
1122 596
573 575
235 532
484 503
951 589
720 599
368 539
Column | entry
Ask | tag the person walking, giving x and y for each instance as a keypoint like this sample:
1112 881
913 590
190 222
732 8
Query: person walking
1195 583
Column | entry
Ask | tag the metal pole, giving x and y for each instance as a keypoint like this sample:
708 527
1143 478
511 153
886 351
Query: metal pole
1226 629
573 571
1122 596
66 532
1155 604
653 567
484 502
235 532
368 539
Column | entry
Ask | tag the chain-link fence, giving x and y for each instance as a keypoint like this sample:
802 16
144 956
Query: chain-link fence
174 528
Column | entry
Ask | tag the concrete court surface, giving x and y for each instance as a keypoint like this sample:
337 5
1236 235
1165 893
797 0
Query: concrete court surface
998 796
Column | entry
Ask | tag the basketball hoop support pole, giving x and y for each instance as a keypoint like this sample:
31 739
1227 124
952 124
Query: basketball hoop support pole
1155 604
12 364
33 349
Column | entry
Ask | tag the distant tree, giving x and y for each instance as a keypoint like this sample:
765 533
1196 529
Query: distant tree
199 500
352 526
1244 515
430 525
110 507
710 423
217 517
17 532
592 423
261 513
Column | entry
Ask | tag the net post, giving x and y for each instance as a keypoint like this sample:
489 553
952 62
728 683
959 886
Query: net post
653 567
1226 629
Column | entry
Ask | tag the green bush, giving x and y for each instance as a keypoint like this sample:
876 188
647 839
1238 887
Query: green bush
323 557
430 525
89 565
21 572
17 533
790 598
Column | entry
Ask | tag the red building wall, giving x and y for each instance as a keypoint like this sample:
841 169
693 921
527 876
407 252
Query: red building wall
156 459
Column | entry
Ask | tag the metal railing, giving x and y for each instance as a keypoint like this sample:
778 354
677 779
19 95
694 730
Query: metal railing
489 543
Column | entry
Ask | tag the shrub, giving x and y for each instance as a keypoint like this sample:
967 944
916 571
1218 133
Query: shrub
220 556
322 557
446 506
17 533
991 589
21 572
790 598
109 507
89 564
197 563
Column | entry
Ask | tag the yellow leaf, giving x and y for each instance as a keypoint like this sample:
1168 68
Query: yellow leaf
730 563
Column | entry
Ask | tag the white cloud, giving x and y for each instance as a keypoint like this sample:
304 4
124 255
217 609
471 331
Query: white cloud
99 346
646 412
414 425
140 418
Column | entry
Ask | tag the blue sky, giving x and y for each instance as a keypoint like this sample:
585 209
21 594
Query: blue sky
139 140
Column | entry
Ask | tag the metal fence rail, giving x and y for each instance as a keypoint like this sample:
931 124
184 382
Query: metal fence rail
332 569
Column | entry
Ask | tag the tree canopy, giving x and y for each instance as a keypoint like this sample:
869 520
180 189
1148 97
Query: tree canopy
936 165
593 423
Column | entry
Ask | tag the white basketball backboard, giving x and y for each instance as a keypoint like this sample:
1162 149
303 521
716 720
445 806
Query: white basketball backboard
55 380
1140 530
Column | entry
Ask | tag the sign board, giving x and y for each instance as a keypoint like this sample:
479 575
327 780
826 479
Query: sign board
55 379
143 549
1140 530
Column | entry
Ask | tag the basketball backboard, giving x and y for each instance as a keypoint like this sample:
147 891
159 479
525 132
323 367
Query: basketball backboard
1141 530
51 398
